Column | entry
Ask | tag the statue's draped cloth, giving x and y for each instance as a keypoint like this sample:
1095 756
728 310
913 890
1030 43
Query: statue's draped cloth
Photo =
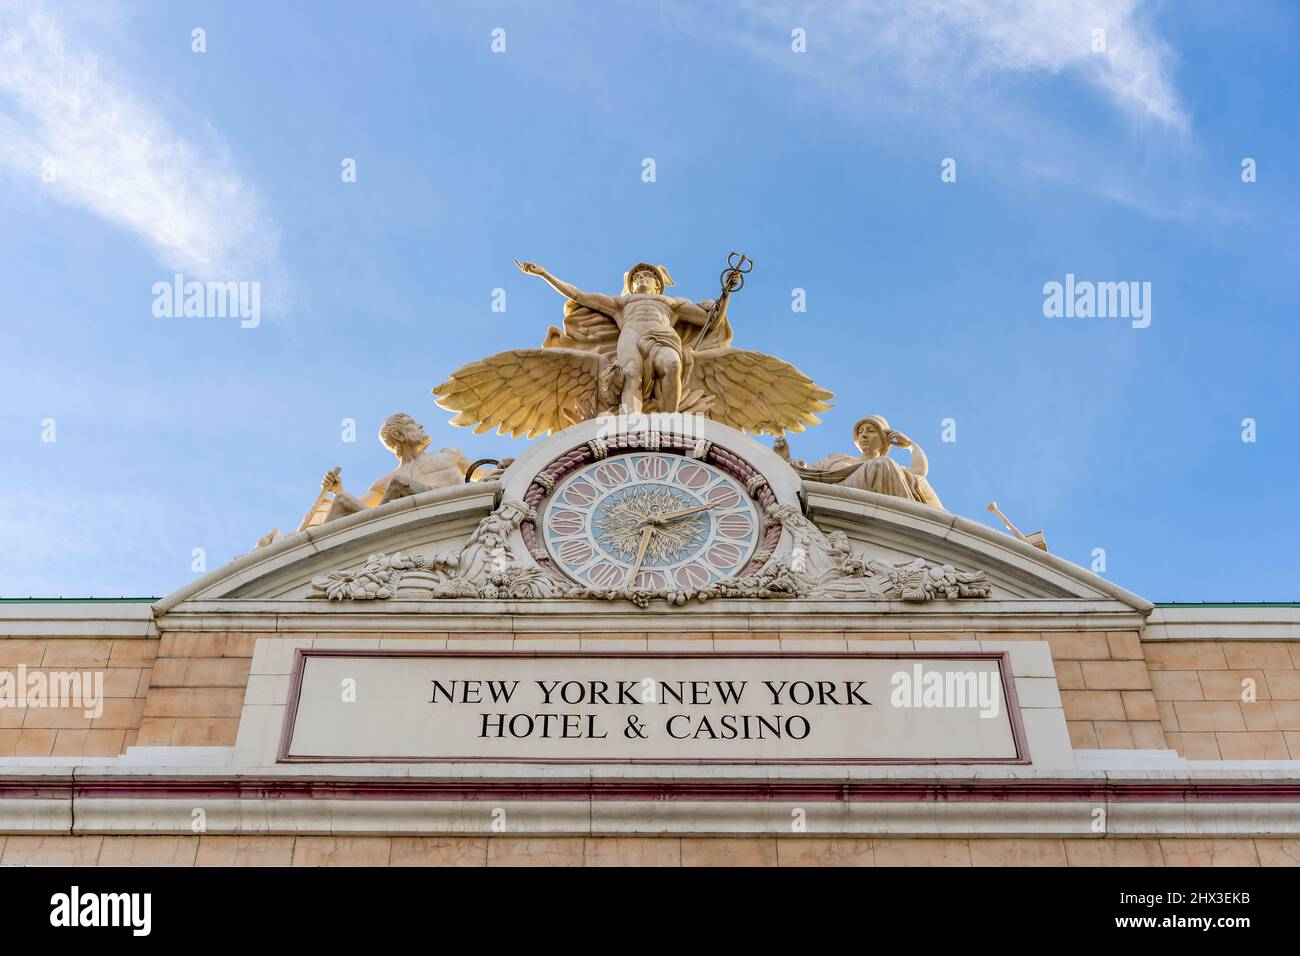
594 331
882 475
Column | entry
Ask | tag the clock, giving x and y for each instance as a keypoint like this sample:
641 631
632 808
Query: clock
650 520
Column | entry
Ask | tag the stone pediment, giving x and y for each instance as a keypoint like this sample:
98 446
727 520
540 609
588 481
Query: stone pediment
433 520
811 543
889 528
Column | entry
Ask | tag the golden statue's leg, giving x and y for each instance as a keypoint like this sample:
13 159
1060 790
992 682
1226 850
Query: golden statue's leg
669 368
629 358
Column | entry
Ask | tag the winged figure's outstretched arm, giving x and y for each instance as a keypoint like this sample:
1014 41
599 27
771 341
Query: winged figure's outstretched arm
608 304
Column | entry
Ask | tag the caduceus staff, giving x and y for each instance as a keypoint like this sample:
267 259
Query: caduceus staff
732 279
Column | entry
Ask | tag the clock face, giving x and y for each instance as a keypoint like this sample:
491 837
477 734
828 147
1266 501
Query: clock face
652 521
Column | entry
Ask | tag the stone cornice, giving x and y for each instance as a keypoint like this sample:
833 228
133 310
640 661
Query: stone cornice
318 616
74 619
1009 804
1193 623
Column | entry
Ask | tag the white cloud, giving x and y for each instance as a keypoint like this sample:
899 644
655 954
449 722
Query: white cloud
116 157
944 43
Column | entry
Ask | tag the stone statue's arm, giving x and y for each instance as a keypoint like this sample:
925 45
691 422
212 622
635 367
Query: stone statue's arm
345 503
920 465
782 448
609 304
693 312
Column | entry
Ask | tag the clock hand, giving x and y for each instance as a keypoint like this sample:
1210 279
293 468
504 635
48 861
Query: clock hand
686 511
646 532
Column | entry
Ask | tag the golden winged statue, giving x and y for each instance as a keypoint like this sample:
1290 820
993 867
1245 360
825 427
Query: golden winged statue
641 351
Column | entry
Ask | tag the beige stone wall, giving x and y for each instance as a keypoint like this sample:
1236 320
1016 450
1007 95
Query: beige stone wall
1104 682
1199 688
638 851
196 690
187 689
1106 691
67 732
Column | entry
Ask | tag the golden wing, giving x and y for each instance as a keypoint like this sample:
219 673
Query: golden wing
753 392
524 392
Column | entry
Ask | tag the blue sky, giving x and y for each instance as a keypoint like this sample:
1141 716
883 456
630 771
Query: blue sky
924 298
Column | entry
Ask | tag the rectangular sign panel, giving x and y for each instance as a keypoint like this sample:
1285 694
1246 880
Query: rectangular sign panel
507 707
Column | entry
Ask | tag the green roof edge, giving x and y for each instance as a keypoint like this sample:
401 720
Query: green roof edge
1227 603
79 600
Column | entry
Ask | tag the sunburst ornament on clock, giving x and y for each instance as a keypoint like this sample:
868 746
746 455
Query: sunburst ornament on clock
622 523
